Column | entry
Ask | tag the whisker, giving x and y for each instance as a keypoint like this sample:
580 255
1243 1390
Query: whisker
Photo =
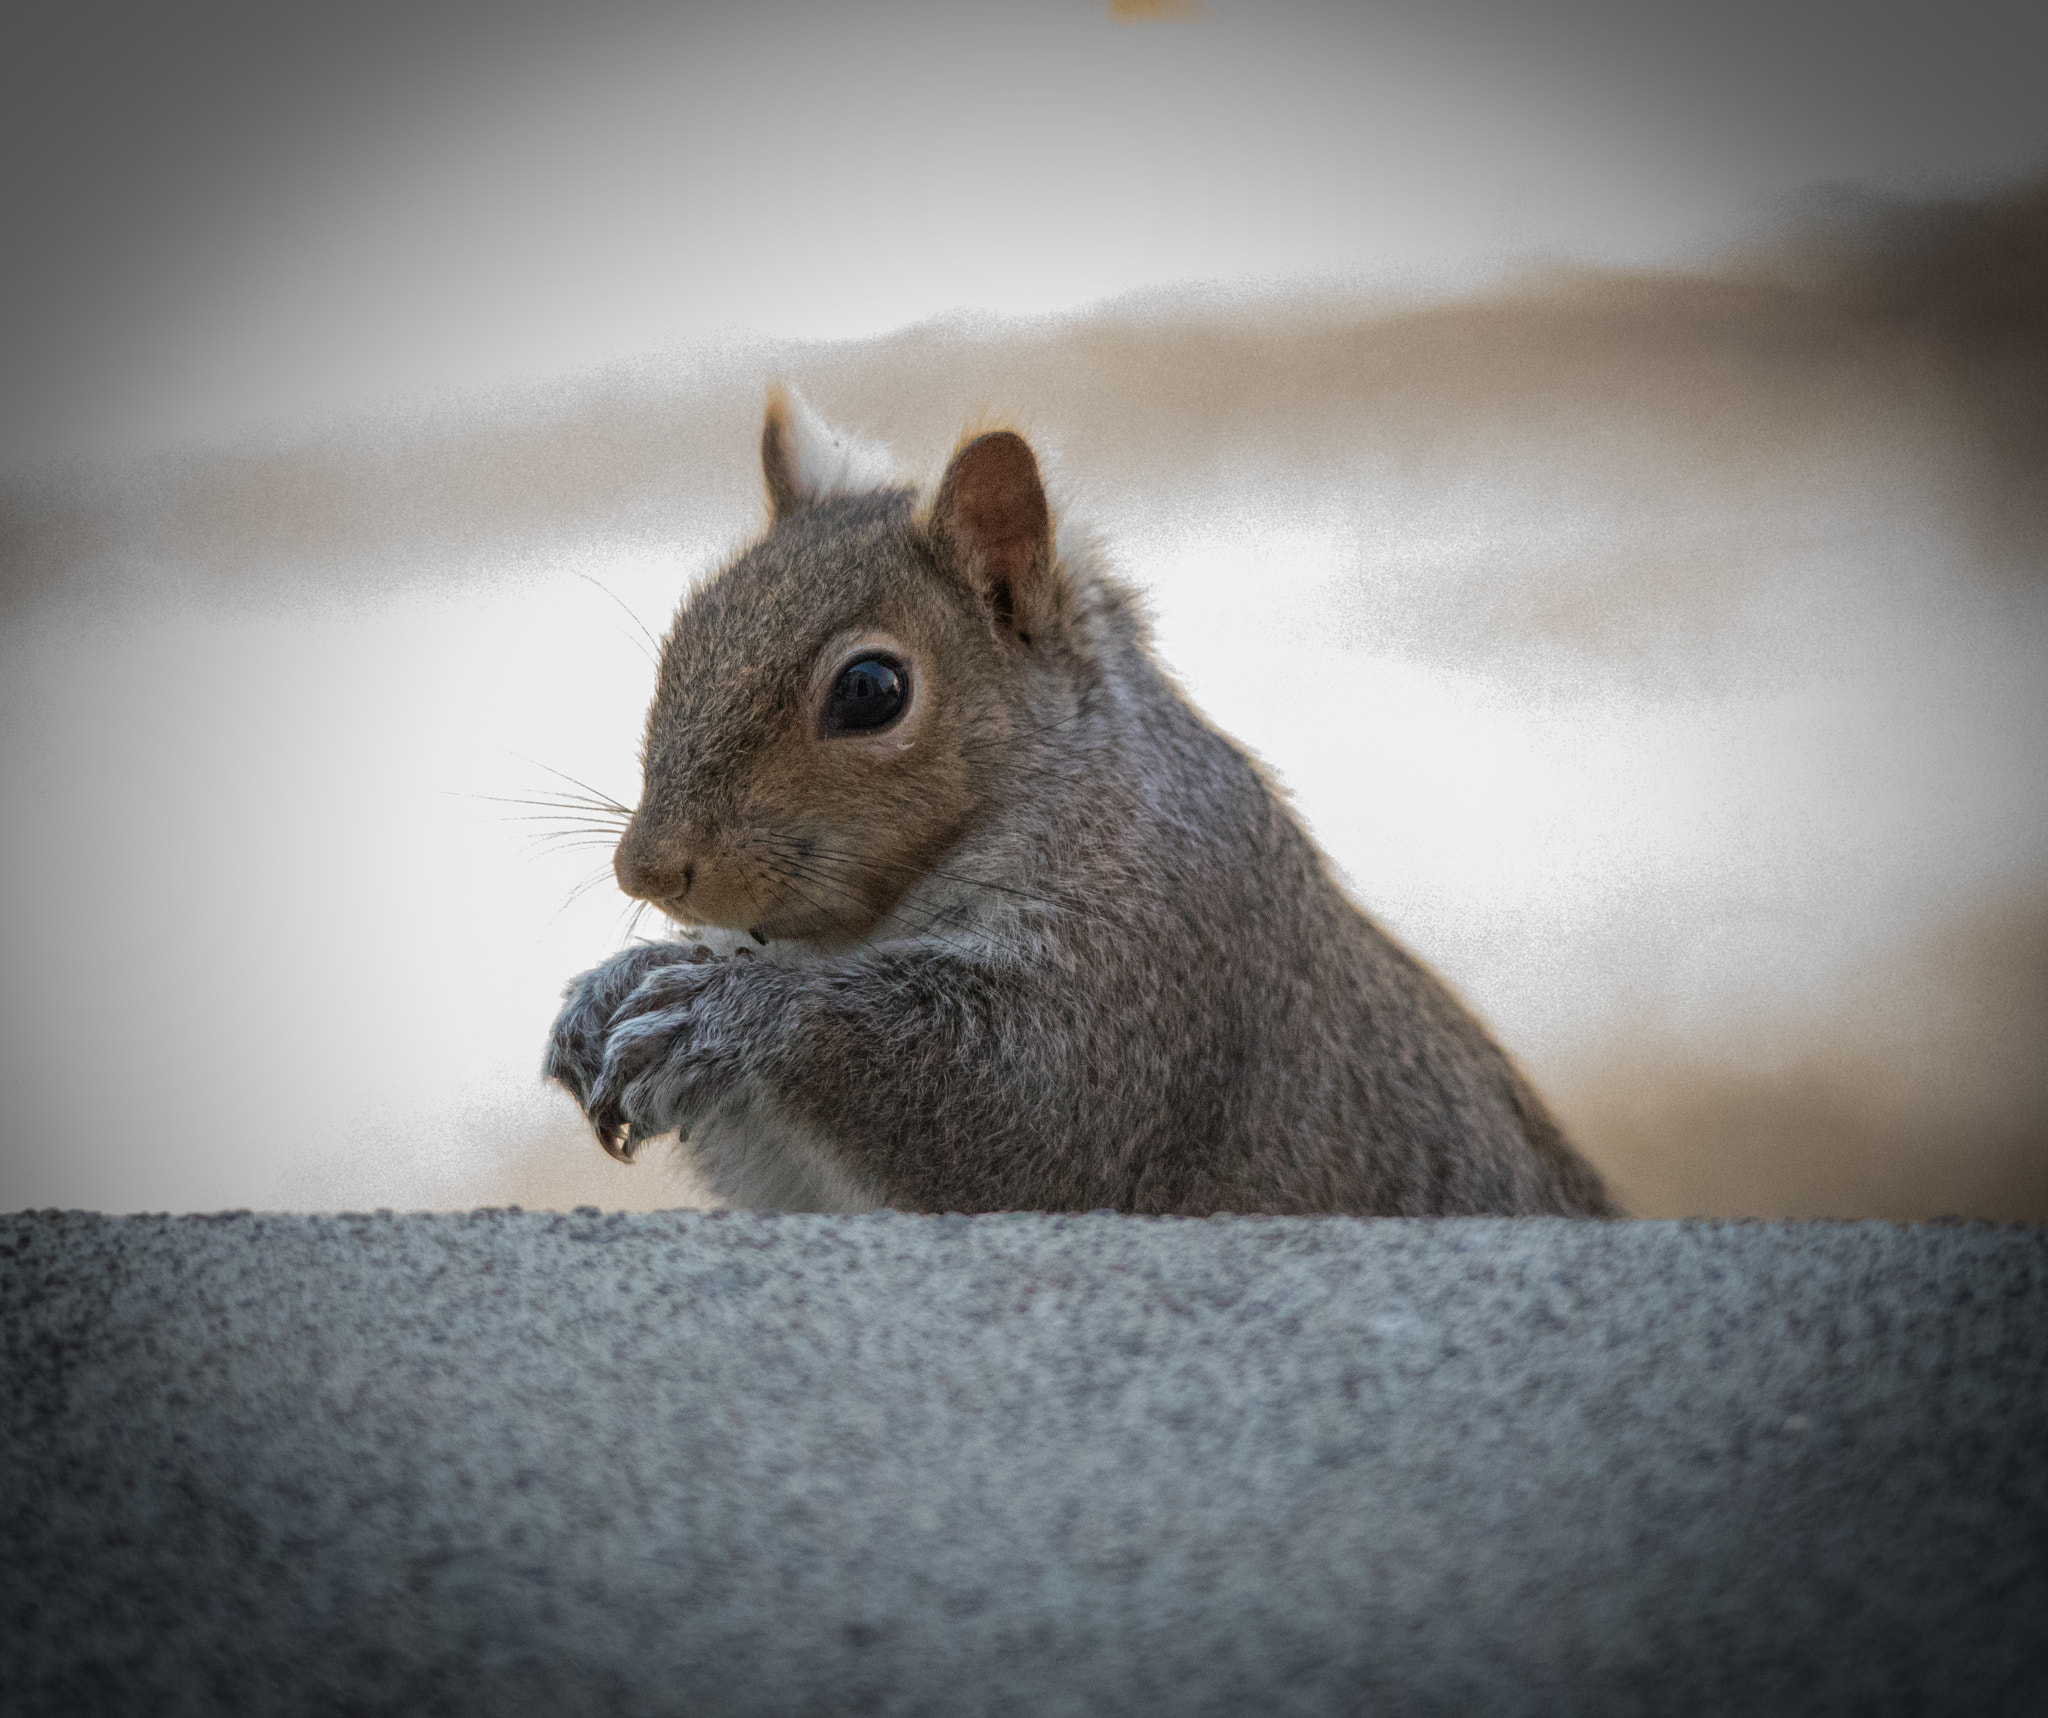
655 657
598 795
540 844
576 815
787 876
576 894
857 862
553 802
631 915
788 865
564 828
559 840
920 916
917 917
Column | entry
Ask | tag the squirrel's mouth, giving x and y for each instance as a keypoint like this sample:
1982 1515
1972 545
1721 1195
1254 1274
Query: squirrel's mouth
776 889
802 925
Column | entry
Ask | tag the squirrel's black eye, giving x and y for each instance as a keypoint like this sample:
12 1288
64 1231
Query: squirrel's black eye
869 693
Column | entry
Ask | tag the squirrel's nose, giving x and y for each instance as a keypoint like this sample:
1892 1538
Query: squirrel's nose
652 877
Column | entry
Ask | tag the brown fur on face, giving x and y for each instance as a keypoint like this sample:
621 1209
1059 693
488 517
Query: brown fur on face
753 815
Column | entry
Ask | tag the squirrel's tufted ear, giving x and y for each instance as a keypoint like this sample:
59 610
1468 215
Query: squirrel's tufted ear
805 459
990 514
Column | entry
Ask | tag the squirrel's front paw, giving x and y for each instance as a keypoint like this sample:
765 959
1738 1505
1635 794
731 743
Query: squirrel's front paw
675 1049
576 1045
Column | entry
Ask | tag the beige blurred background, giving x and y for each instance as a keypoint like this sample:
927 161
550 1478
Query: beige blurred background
1625 537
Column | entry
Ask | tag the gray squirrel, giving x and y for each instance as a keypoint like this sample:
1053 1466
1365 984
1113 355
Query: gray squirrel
1027 933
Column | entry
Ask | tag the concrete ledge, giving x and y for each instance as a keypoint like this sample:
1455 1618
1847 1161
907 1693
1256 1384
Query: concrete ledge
508 1463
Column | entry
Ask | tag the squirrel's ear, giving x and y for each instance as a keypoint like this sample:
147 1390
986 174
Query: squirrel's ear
805 459
991 516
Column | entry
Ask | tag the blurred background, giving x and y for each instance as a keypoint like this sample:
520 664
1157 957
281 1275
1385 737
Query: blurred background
1597 456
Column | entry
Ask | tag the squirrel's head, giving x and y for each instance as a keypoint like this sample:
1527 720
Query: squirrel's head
835 706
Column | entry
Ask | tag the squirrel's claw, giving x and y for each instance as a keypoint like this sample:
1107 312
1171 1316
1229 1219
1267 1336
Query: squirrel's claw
608 1121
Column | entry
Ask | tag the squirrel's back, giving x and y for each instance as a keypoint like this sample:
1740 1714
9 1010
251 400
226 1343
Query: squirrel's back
1317 1064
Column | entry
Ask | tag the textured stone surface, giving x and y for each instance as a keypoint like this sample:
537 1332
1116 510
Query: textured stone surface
509 1463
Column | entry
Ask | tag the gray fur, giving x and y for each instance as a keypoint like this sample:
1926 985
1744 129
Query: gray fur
1121 975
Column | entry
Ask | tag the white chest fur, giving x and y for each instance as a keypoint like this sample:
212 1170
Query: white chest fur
756 1159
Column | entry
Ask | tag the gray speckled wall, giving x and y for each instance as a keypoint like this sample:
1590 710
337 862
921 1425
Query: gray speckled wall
509 1463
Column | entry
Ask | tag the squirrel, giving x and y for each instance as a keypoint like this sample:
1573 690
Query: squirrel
1027 932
